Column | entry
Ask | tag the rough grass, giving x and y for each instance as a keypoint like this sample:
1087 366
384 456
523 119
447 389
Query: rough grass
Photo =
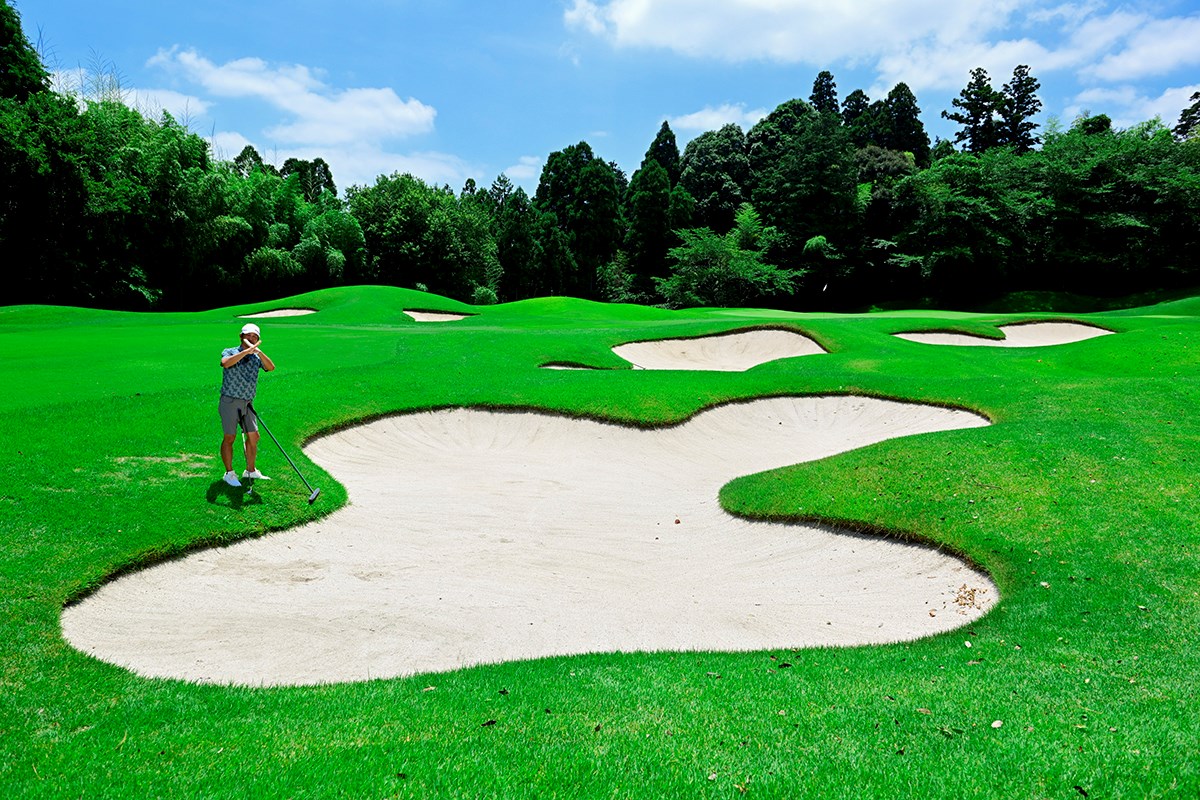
1080 500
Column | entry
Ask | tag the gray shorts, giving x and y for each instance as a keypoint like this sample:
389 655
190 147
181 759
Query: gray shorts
233 408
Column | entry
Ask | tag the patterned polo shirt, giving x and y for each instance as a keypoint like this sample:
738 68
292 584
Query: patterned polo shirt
240 380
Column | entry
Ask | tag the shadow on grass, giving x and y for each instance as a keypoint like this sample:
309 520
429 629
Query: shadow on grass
221 493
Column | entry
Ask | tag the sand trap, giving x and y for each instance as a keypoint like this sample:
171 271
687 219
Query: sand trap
479 536
280 312
434 316
728 352
1025 334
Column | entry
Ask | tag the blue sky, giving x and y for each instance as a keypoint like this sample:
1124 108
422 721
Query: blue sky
450 90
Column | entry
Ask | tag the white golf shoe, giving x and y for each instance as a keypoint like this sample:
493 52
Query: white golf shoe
256 475
231 479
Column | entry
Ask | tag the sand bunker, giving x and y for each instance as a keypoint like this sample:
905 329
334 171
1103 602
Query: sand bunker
434 316
1026 334
728 352
481 536
280 312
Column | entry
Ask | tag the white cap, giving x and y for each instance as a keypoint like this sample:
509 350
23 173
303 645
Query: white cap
250 327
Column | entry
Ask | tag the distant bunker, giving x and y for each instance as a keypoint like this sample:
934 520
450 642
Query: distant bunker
280 312
1024 334
434 316
736 351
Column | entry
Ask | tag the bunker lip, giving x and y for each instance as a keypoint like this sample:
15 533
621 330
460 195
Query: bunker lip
733 351
1019 334
478 536
567 365
279 312
421 315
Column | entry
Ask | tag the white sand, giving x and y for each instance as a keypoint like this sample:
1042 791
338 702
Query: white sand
280 312
731 352
434 316
1028 334
475 536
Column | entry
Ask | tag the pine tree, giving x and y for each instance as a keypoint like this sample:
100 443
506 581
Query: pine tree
980 106
583 193
866 122
648 236
907 132
665 151
873 126
824 93
1189 119
1020 104
853 107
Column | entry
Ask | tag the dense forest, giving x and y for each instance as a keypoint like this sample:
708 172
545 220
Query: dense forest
824 203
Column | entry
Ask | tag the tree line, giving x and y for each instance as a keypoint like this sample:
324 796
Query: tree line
822 203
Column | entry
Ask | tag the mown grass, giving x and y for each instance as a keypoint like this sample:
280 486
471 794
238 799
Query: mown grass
1080 500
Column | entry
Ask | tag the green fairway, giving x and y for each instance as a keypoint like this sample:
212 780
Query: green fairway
1080 500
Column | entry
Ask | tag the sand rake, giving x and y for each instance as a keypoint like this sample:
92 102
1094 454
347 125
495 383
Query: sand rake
314 492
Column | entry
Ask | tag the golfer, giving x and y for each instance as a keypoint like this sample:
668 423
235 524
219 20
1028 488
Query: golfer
238 385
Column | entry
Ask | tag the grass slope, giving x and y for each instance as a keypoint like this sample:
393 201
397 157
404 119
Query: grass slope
1081 501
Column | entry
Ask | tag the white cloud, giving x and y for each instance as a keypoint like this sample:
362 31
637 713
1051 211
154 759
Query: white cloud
808 31
1067 12
711 118
586 15
152 102
243 77
356 163
362 164
1157 48
949 68
355 114
349 128
931 45
88 86
1077 46
1108 99
320 115
1096 35
526 168
226 145
74 82
1127 106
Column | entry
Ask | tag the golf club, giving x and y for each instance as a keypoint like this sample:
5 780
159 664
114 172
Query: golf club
242 425
312 497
